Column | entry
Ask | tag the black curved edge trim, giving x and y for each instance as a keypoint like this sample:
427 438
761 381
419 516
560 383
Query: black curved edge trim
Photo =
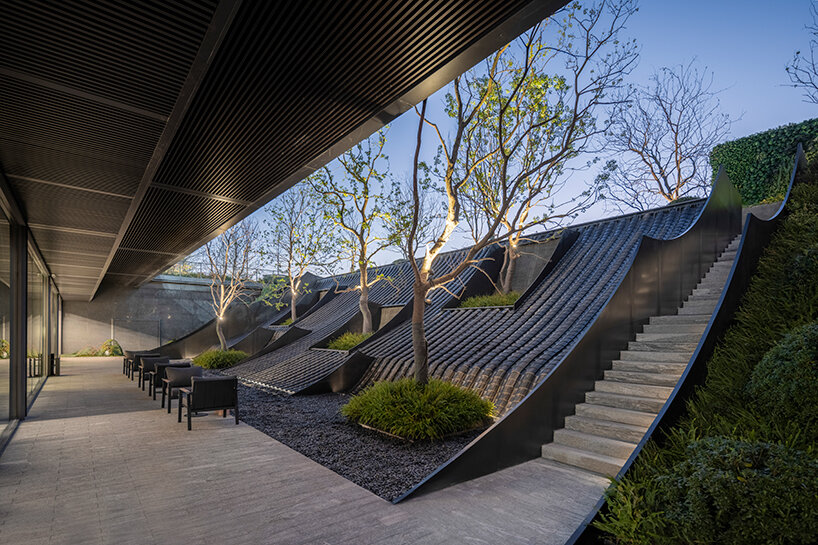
755 238
662 273
349 373
567 240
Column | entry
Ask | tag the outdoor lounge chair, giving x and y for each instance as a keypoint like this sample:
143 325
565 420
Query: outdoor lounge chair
175 378
159 373
147 369
210 394
137 360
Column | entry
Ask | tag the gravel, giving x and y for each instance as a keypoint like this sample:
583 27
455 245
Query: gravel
313 426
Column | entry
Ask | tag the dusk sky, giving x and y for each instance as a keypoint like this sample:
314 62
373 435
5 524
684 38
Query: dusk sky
746 45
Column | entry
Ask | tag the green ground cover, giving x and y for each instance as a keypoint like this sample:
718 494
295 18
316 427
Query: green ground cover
219 359
348 341
492 300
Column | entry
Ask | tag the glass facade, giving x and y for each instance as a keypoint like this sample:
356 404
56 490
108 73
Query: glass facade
5 321
35 330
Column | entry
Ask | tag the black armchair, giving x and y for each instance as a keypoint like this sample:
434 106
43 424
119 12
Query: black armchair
210 394
160 373
137 361
175 378
148 368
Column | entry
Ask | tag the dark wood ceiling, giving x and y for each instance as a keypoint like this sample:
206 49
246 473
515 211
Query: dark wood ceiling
133 132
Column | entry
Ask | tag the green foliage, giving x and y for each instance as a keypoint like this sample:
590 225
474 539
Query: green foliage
493 300
348 340
756 163
782 296
219 359
409 410
784 385
288 321
5 348
110 348
87 351
735 492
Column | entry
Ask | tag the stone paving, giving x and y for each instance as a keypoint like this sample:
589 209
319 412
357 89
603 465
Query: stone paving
97 461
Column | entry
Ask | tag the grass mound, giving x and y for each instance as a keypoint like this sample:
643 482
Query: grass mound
493 300
219 359
348 341
409 410
782 296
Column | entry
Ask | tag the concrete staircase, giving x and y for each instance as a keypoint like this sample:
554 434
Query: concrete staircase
605 429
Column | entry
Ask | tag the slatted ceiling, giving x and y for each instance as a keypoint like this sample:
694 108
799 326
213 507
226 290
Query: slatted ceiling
69 243
102 48
177 218
127 261
52 119
70 208
51 165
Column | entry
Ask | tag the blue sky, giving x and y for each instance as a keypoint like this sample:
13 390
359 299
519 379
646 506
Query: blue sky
745 44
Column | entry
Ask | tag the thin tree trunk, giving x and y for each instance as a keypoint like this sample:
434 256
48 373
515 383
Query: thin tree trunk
511 267
363 303
419 344
293 297
220 333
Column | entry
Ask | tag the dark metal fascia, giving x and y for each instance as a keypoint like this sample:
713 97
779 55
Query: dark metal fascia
525 18
219 25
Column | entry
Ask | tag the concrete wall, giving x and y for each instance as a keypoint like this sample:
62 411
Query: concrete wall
159 311
531 262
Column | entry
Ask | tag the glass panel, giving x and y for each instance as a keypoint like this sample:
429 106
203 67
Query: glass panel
36 327
5 319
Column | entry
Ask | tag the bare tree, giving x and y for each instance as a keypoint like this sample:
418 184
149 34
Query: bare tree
595 60
298 237
233 261
803 69
357 204
663 137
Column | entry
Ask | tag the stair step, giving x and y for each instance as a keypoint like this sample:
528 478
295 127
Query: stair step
714 292
634 403
697 329
649 367
590 461
698 310
638 390
625 416
680 337
668 356
632 377
606 428
593 443
663 346
680 319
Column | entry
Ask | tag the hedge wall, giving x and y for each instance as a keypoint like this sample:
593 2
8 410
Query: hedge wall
758 164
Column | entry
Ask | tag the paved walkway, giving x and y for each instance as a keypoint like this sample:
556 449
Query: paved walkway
98 462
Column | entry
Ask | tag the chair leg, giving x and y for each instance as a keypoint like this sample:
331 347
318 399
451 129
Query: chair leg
180 404
236 412
188 414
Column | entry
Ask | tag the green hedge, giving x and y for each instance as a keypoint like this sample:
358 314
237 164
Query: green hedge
409 410
783 296
348 341
492 300
759 164
219 359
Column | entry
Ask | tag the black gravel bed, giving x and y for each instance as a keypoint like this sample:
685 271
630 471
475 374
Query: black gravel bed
313 426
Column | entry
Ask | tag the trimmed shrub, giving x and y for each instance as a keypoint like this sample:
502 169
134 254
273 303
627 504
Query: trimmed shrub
219 359
288 321
85 352
784 384
493 300
730 491
409 410
348 340
5 348
110 348
754 163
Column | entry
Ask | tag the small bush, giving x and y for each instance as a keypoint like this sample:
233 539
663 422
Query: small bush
4 348
784 384
729 491
110 348
288 321
409 410
348 340
493 300
219 359
86 352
